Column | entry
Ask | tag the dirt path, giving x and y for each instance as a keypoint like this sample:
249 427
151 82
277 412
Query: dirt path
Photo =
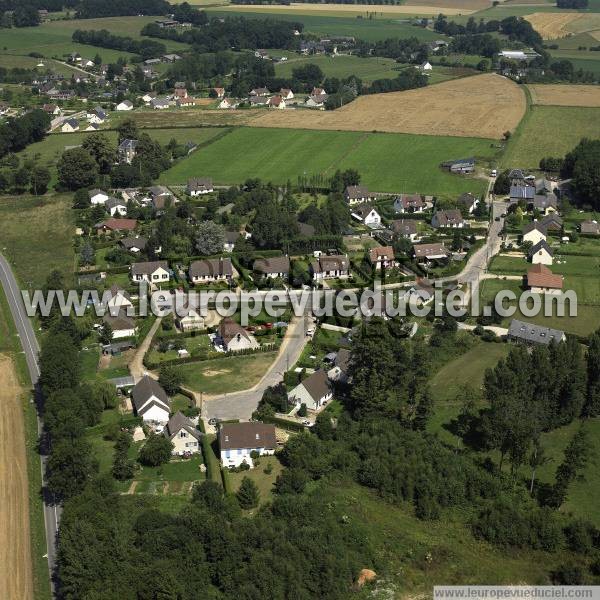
15 551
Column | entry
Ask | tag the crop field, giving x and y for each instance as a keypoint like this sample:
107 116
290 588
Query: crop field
495 105
557 25
387 162
565 95
550 131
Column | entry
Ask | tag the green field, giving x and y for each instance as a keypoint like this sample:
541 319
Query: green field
12 61
550 131
387 162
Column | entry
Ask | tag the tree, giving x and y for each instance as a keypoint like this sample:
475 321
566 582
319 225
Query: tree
170 378
210 238
81 198
87 255
59 363
502 183
156 451
76 169
70 466
248 495
127 130
102 150
40 178
123 467
105 333
592 403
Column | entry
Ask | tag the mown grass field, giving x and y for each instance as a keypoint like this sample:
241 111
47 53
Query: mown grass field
550 131
387 162
36 236
13 61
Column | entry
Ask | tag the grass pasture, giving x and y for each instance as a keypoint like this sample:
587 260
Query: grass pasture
550 131
387 162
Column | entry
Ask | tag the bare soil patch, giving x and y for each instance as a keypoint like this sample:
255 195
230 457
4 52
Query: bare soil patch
565 95
216 373
15 550
481 106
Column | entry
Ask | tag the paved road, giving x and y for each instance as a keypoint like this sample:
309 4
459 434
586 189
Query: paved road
31 350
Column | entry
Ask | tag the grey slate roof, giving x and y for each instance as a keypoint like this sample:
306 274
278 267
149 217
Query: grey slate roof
275 264
211 266
317 385
530 333
178 422
542 244
145 389
247 435
147 268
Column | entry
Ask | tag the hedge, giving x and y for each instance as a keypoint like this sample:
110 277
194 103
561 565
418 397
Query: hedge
285 424
227 485
213 467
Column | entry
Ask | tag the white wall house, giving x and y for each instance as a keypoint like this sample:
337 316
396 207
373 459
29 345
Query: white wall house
183 435
152 272
534 233
541 254
151 401
98 196
238 440
314 391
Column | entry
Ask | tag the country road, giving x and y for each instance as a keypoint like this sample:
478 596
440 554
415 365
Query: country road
31 350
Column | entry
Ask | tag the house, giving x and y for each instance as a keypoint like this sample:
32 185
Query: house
161 197
448 218
545 204
219 92
382 257
116 225
552 222
427 252
258 100
405 228
230 240
52 109
341 366
367 215
150 401
522 192
314 391
286 94
92 127
232 337
171 58
97 116
134 244
124 105
468 202
528 333
317 101
317 91
541 253
159 103
274 267
410 203
121 325
462 165
199 185
114 206
260 92
276 102
534 232
210 269
153 272
228 103
357 194
238 440
180 93
543 186
97 196
188 319
117 298
590 227
182 434
330 267
426 67
148 97
70 125
126 150
541 280
422 290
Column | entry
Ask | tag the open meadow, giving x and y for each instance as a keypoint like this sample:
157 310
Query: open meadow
565 95
550 131
387 162
495 105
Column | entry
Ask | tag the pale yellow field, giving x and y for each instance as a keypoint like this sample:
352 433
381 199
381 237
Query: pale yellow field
15 551
553 26
428 8
452 4
565 95
481 106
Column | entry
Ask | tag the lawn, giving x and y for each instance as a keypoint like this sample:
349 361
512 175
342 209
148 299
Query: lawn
226 375
550 131
264 481
387 162
193 345
36 236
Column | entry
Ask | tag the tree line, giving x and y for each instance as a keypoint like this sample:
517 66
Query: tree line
16 133
105 39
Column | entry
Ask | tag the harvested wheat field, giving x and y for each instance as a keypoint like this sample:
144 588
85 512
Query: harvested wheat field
552 26
565 95
15 551
464 5
427 8
483 106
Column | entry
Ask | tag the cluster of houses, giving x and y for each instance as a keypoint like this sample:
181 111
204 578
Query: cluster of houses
537 194
259 97
95 117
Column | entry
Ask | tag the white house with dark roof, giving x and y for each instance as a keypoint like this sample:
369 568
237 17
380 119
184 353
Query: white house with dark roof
357 194
124 105
120 324
382 257
330 267
366 214
410 203
232 337
534 232
116 298
230 238
314 391
97 196
238 440
210 270
341 366
199 186
427 252
116 207
182 433
405 228
273 267
150 401
448 219
529 333
153 271
541 253
70 125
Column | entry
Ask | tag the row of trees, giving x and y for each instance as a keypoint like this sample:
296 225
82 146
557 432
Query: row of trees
92 9
17 133
105 39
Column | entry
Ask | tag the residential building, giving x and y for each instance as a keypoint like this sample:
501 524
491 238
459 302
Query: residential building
405 228
382 257
134 244
161 197
448 218
238 440
330 267
228 103
159 103
427 252
70 125
188 319
589 227
341 366
426 67
314 391
410 203
112 224
468 202
367 215
153 272
357 194
124 105
126 150
232 337
52 109
219 91
171 58
260 92
522 192
151 401
121 325
276 102
231 238
114 206
316 101
461 166
258 100
541 280
274 267
97 196
528 333
286 94
210 269
199 186
545 204
541 253
183 435
118 299
534 232
318 91
552 222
